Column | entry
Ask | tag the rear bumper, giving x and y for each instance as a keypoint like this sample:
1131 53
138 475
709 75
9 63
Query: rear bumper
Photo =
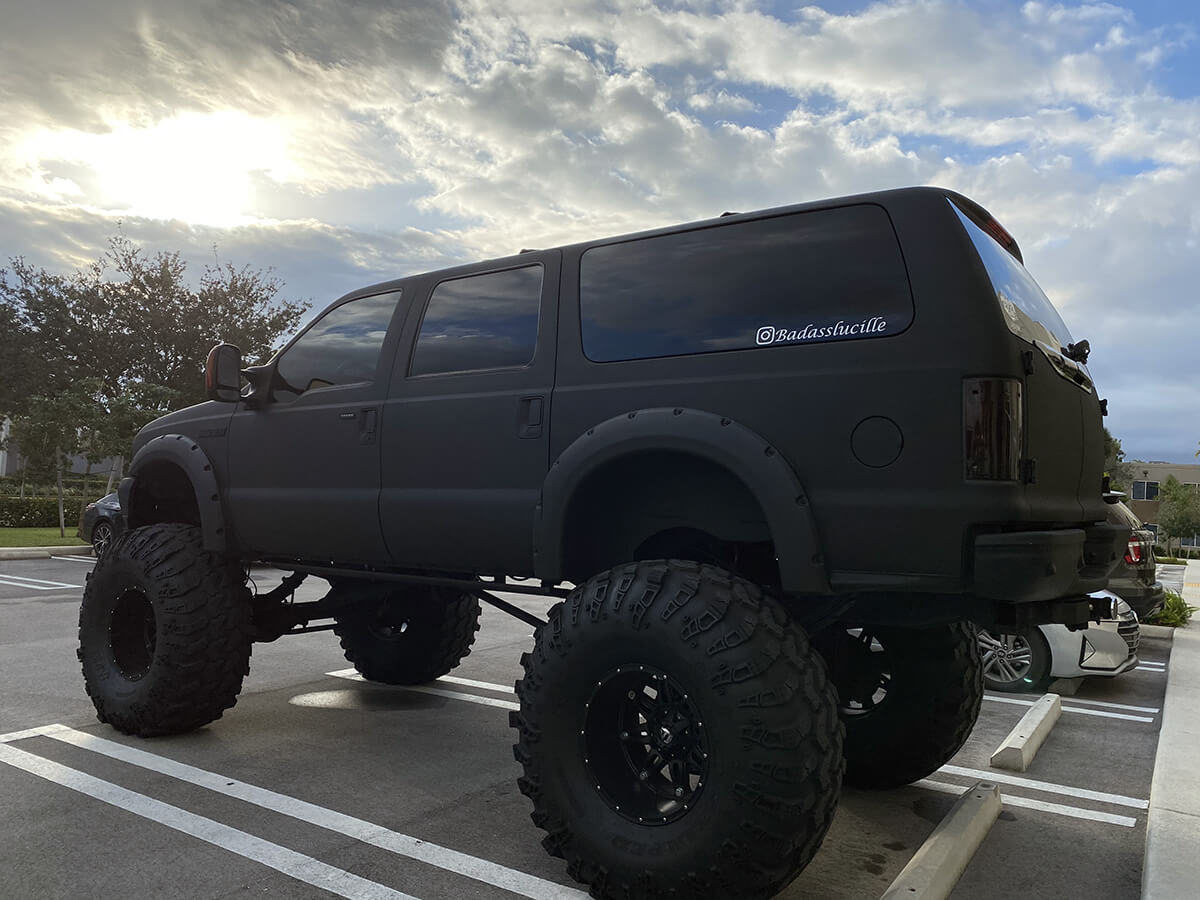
1145 600
1036 566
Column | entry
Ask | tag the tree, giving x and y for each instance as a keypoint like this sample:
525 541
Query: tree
121 341
1179 509
1119 472
49 433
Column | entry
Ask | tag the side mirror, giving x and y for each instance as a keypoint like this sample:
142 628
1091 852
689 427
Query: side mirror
223 373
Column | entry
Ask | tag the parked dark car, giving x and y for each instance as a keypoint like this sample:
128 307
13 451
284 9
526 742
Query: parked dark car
101 522
1134 580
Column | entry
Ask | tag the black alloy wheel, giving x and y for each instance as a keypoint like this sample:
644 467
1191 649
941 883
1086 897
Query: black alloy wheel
645 746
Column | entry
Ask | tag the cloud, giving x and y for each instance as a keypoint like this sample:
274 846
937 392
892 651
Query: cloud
344 143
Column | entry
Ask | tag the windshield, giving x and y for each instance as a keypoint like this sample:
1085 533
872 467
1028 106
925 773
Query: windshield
1027 310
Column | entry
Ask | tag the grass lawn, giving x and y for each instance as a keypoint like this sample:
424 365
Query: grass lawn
37 537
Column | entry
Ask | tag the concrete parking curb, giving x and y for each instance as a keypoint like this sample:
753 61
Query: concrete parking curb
936 867
44 552
1016 751
1159 631
1173 822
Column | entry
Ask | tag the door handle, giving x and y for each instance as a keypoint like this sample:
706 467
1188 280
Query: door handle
529 418
367 428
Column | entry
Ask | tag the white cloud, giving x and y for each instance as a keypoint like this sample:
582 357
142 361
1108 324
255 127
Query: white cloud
444 133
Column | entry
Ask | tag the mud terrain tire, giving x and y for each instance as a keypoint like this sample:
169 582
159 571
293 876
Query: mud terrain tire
164 632
687 665
931 682
414 635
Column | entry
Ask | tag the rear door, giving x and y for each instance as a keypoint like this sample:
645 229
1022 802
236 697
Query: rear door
304 468
1063 443
465 435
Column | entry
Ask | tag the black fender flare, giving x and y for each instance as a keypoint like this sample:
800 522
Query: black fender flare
739 449
182 451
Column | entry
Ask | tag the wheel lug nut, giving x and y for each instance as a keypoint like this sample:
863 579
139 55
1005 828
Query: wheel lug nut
678 792
643 775
631 695
624 735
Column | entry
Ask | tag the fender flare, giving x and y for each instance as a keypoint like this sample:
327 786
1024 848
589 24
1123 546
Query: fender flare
740 450
182 451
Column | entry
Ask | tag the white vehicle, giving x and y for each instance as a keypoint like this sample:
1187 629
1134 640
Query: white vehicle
1016 662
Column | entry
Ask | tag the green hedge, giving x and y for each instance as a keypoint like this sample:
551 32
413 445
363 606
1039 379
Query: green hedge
38 512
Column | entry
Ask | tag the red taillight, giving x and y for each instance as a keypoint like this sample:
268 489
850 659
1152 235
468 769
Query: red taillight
1133 552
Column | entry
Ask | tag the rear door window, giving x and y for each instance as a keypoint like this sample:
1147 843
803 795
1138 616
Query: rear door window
487 321
826 275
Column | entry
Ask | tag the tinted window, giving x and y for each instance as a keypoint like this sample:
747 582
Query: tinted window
480 322
810 277
1120 514
341 347
1027 310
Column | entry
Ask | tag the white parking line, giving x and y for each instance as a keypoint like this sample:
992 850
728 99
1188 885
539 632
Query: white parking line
401 844
486 685
35 584
90 560
281 859
1074 812
1047 787
1107 705
352 675
1075 709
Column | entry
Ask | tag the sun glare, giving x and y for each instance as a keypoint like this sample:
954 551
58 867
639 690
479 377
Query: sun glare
195 167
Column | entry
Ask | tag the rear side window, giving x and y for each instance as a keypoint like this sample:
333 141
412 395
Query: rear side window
485 321
341 347
828 275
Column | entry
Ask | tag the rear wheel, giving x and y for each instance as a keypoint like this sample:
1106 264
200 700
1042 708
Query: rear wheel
410 636
678 735
909 698
164 632
1015 662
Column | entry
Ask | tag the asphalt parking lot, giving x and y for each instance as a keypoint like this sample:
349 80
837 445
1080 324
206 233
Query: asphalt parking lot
317 784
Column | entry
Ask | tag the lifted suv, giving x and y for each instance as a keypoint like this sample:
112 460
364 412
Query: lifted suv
786 458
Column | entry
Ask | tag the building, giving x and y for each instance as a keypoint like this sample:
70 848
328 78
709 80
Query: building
1148 477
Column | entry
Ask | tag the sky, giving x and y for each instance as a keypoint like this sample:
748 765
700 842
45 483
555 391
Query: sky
341 143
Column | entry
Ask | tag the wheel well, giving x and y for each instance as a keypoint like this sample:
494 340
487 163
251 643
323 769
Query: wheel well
162 493
662 504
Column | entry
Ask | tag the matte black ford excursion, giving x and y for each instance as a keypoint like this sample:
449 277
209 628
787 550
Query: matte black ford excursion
786 458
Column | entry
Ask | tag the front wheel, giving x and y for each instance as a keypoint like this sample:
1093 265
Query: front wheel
102 535
164 632
909 698
1015 662
678 735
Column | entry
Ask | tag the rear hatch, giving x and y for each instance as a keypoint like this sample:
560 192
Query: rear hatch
1062 448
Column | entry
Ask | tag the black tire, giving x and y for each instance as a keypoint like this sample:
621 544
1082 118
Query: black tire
413 635
164 632
688 666
909 698
102 535
1014 662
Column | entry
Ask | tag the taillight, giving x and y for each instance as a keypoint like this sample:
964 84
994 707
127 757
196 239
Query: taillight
1133 552
993 428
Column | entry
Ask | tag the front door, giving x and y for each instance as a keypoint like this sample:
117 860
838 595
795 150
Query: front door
304 467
